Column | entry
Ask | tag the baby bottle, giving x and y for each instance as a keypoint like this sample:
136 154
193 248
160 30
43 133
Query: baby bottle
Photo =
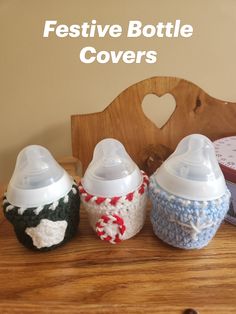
114 192
42 200
189 195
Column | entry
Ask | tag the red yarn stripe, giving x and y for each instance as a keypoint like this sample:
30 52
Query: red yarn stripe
141 189
117 239
105 218
100 233
118 220
88 197
82 190
122 229
100 200
108 238
130 196
114 200
98 225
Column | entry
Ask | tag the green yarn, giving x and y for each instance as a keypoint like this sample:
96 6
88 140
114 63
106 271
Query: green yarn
68 212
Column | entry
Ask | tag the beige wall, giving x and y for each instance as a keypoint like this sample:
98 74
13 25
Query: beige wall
43 82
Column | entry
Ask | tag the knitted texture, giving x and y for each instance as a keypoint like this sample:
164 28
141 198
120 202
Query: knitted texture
184 223
45 227
117 218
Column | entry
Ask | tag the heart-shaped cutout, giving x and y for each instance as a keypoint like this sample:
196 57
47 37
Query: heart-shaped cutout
158 109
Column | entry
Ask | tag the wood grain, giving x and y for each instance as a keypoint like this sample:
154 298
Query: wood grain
141 275
123 119
71 165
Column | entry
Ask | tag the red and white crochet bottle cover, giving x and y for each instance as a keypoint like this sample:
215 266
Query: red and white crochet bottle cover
117 218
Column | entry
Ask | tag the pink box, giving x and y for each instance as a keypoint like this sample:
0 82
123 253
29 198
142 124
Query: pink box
226 154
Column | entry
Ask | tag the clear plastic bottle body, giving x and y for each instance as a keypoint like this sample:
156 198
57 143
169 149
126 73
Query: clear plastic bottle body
37 179
192 171
111 172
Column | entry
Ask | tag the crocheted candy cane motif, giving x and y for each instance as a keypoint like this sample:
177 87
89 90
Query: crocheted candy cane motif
110 227
129 210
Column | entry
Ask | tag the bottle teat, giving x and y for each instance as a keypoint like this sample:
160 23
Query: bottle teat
192 171
111 172
37 179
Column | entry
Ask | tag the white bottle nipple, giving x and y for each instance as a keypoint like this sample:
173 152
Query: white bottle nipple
37 179
111 172
192 171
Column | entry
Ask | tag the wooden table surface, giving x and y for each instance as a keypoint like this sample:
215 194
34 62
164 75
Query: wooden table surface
140 275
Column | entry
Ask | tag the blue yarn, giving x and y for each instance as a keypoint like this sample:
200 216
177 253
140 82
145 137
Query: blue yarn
184 223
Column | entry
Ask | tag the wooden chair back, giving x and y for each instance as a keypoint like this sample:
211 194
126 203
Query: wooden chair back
124 119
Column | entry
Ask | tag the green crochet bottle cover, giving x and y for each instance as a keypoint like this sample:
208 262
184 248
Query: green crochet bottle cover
42 201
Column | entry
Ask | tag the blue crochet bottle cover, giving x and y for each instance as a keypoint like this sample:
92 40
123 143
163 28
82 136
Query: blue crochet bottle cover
189 195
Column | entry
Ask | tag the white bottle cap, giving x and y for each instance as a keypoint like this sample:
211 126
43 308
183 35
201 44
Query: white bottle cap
37 179
111 172
192 171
